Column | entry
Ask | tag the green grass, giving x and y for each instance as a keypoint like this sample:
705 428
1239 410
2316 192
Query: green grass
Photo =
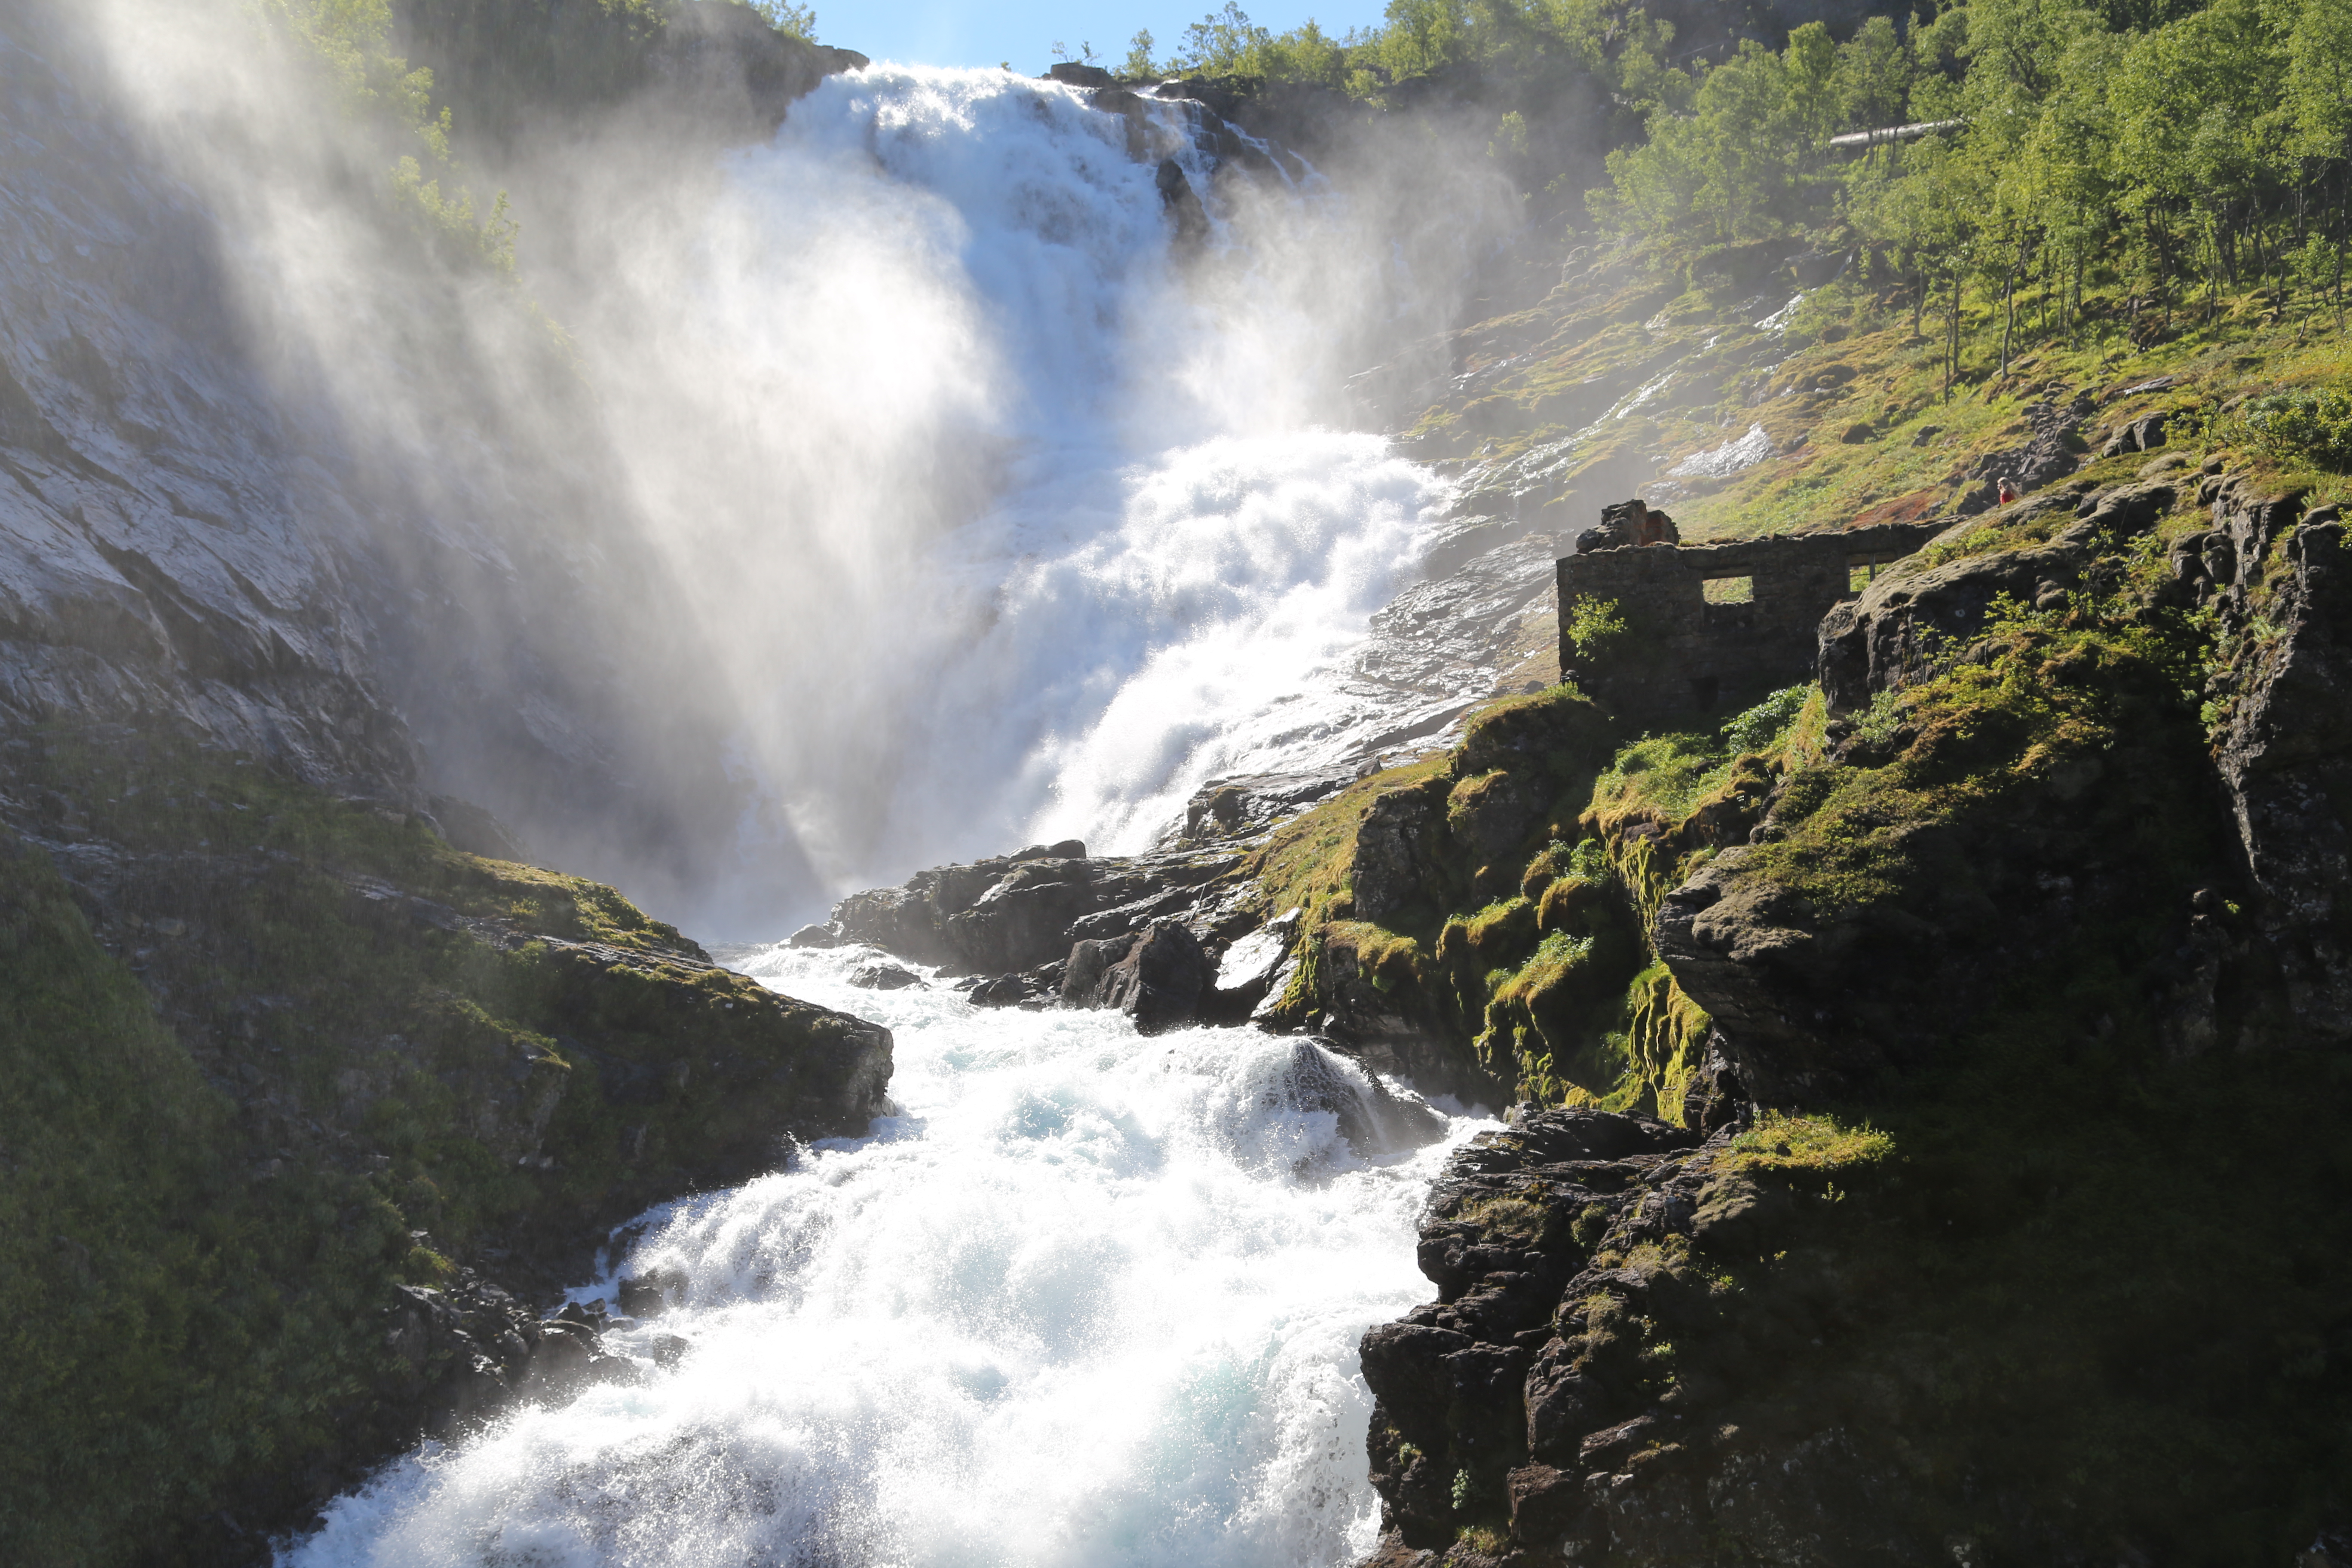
1781 1141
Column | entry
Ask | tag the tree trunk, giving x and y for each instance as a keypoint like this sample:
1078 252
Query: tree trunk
1952 354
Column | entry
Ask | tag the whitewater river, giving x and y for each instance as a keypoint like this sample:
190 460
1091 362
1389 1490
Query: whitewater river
1089 1298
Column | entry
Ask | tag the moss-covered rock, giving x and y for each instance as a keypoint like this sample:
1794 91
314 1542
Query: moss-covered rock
2020 1235
270 1056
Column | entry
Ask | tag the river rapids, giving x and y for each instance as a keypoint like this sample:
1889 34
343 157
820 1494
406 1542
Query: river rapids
1089 1297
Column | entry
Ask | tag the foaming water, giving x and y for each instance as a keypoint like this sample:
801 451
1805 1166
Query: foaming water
907 491
1064 538
1089 1298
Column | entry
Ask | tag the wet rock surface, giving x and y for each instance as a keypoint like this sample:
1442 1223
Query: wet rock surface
462 1353
1526 1394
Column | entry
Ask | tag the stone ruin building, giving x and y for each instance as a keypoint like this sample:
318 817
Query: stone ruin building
1676 629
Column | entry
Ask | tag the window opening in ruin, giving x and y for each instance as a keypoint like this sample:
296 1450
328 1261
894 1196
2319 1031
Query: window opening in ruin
1862 571
1729 590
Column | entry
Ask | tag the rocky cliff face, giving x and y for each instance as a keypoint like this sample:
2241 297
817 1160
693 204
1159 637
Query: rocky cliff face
272 485
1999 968
311 1110
173 551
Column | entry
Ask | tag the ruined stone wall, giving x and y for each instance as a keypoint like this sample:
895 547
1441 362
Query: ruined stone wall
1683 649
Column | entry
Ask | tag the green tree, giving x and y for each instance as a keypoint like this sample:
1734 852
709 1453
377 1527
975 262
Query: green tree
1737 166
1138 66
2319 103
800 21
2195 135
1873 76
1224 43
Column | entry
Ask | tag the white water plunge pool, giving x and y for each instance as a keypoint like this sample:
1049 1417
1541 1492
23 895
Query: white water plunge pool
1090 1298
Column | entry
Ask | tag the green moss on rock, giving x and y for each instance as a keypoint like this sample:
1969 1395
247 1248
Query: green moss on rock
266 1055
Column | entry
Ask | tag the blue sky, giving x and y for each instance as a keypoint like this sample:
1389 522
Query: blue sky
964 33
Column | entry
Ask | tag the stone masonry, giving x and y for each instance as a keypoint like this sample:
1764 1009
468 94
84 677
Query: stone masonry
1714 627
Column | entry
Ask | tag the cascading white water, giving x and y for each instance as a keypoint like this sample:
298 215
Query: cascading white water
1063 542
1092 1299
954 298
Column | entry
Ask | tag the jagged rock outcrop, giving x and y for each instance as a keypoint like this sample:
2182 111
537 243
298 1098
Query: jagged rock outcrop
462 1353
2282 580
2272 578
1247 806
1158 976
168 552
212 522
1018 913
1813 988
1907 620
1486 1398
2050 454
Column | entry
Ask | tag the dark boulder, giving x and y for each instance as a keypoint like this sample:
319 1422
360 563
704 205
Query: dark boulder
1375 1122
1627 523
1076 73
1398 843
1014 914
1161 980
1184 209
1036 988
2143 434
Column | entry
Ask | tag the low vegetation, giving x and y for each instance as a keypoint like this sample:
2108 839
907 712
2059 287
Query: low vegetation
265 1055
1537 963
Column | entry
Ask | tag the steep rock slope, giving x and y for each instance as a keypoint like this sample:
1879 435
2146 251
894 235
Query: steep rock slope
288 457
170 551
296 1095
2007 1021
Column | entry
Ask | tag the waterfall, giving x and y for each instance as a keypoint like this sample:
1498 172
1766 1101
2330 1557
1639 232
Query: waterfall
902 487
1089 1299
1069 539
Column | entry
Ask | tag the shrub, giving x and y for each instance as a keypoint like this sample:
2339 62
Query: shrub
1595 628
2312 426
1762 729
